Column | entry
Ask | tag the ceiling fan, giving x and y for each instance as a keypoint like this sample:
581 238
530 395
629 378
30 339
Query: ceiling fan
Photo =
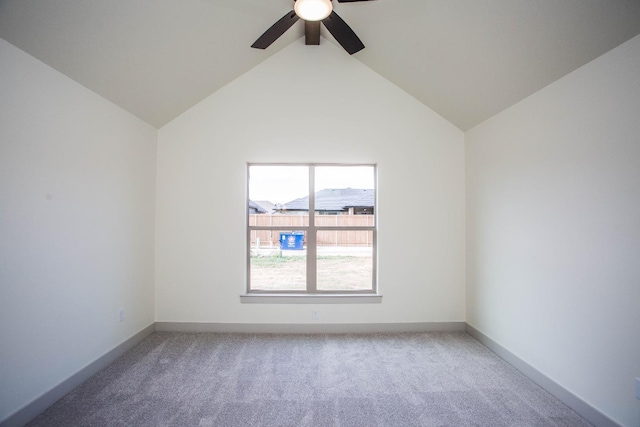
312 12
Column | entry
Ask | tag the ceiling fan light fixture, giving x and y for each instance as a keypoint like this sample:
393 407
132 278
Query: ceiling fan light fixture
313 10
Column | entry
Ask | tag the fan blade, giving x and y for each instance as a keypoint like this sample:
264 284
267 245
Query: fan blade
312 33
276 30
343 33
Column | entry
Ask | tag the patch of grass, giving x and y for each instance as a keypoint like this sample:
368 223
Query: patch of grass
272 261
275 261
289 272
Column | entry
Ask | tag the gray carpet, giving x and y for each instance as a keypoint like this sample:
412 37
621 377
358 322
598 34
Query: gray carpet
418 379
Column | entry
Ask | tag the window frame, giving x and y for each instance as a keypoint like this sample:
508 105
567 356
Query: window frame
311 231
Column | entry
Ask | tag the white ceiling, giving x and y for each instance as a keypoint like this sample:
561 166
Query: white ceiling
465 59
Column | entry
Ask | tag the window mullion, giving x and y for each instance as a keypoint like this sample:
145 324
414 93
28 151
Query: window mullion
311 234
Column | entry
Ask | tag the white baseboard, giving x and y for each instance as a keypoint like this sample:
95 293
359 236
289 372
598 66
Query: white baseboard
587 411
310 328
39 404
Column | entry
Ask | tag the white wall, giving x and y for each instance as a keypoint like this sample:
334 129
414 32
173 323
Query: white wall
309 104
553 223
77 182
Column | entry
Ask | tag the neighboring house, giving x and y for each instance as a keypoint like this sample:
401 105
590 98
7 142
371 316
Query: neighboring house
335 201
261 207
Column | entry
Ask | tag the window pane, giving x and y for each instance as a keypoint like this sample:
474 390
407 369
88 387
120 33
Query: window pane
342 192
345 260
278 190
281 266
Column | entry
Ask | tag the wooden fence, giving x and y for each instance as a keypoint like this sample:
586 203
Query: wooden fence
325 237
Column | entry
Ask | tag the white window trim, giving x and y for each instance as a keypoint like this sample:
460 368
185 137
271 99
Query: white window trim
312 294
284 298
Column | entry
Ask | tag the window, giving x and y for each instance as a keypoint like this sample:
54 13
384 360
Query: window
311 229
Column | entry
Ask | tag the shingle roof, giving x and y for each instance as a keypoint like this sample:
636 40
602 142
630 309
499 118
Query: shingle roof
257 206
266 205
334 199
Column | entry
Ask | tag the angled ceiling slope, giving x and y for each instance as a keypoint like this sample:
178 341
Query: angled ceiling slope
466 60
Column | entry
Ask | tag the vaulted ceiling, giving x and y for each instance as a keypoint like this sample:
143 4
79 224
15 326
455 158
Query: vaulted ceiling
465 59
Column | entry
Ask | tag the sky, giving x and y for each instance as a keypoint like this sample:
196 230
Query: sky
282 184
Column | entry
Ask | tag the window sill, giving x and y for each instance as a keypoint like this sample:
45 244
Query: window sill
311 299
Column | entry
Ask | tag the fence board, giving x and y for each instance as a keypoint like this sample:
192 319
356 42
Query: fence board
325 237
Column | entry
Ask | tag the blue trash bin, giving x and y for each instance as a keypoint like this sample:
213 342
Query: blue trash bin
292 241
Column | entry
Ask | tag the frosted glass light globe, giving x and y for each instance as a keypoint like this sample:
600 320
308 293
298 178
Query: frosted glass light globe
313 10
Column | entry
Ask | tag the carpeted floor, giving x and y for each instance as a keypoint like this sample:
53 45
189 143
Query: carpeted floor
417 379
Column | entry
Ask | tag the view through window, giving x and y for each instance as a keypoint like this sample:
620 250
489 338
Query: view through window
331 250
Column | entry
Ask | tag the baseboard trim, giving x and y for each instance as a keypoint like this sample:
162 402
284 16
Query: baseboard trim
587 411
39 404
309 328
